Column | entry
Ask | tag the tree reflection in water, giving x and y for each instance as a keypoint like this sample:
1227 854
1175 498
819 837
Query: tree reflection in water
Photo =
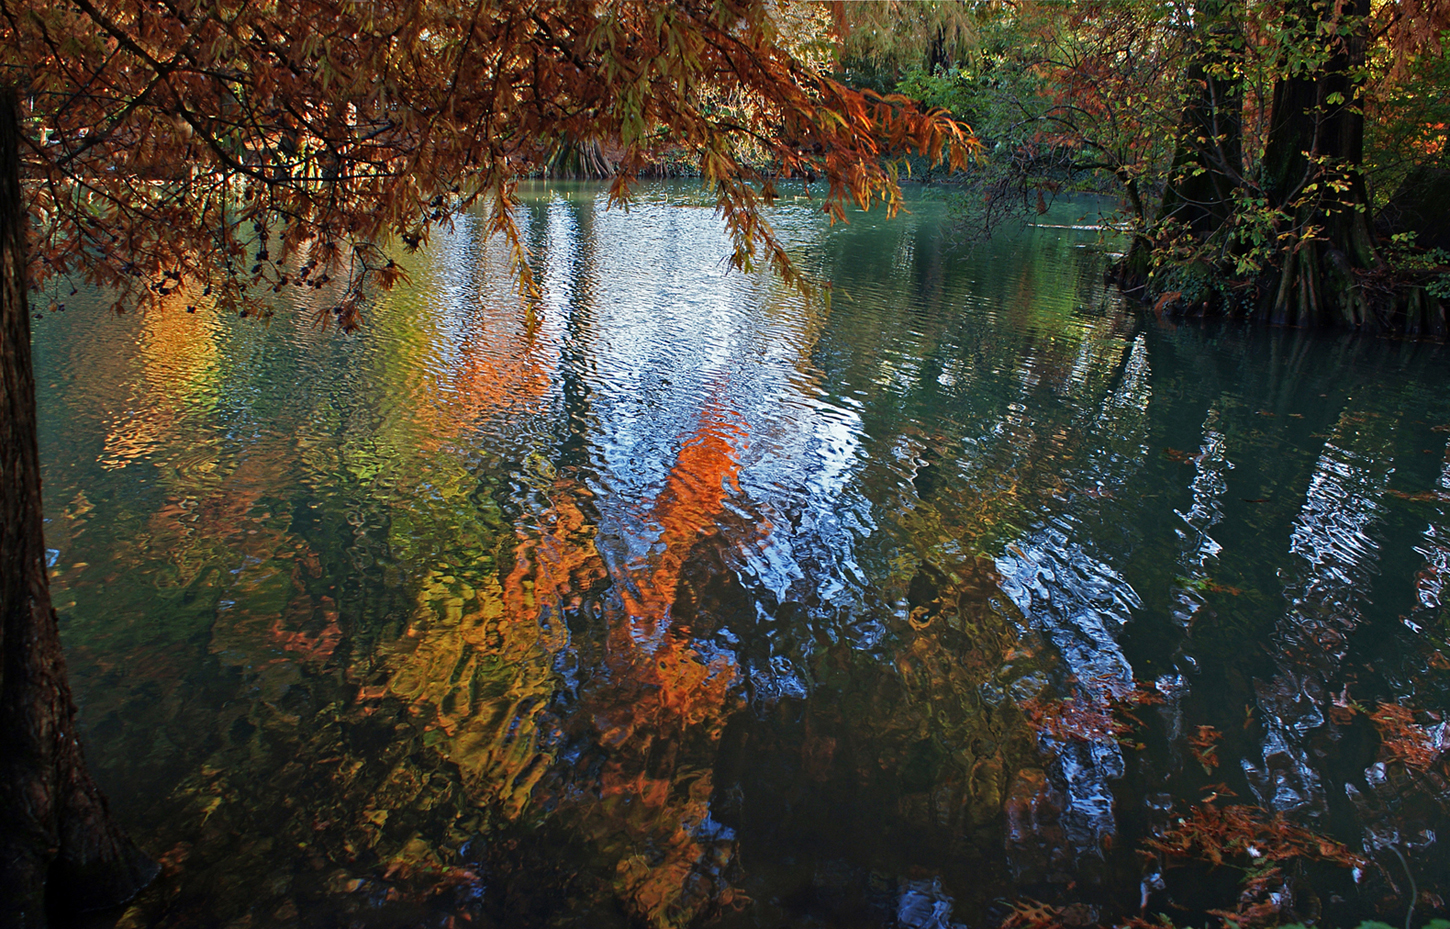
670 598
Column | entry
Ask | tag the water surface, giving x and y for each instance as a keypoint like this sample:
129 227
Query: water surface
677 597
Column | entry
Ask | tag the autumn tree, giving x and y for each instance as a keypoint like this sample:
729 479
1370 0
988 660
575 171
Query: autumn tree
1236 134
1266 210
1063 96
1208 162
56 829
229 151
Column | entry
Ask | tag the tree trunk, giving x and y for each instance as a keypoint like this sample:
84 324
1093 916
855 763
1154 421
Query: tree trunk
580 161
58 843
1208 160
1208 154
936 53
1312 171
1130 273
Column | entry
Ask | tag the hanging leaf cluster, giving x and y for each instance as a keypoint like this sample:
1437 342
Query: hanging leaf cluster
262 146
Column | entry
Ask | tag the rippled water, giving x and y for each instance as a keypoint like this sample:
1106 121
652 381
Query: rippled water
676 597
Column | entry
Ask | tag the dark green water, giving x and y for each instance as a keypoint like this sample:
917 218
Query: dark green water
678 598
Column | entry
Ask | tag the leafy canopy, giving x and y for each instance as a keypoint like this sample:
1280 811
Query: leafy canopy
260 144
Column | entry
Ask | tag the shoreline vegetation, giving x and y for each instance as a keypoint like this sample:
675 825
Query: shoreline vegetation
1405 293
1287 164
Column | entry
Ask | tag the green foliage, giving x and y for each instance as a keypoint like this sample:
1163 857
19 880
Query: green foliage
1402 254
1064 96
885 40
1406 120
1429 264
1176 108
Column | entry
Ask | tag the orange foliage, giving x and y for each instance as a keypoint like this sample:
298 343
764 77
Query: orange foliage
1202 745
693 497
552 570
1030 914
1403 740
675 682
660 694
281 145
1084 719
1216 835
505 372
178 359
1410 28
317 646
1245 836
654 697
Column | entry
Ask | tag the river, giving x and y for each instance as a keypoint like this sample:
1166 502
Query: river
960 592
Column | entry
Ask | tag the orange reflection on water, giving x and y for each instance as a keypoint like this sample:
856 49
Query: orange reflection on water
178 362
661 699
478 664
553 569
478 667
469 379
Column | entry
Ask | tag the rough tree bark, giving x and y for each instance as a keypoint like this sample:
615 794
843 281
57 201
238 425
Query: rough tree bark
1325 268
58 842
580 161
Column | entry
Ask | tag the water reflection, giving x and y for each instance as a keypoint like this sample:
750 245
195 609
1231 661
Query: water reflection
179 377
671 598
1334 561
